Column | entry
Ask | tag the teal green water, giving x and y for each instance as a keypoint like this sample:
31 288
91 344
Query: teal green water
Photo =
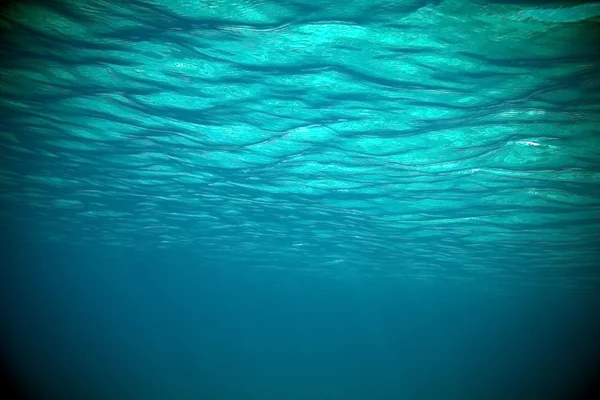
431 143
446 139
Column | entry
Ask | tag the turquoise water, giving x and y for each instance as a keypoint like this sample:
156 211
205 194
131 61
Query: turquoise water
261 200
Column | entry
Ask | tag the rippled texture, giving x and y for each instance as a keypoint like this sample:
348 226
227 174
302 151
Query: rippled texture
419 139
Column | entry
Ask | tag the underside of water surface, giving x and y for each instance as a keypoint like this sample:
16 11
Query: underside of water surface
423 139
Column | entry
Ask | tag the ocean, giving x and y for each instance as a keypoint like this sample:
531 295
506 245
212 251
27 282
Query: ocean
266 199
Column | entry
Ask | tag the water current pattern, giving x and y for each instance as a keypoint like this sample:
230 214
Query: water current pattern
430 140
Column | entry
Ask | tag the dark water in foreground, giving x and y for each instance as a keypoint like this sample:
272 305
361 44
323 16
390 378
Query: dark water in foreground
299 200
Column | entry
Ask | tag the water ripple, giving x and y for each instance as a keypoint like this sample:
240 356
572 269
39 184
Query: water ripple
423 139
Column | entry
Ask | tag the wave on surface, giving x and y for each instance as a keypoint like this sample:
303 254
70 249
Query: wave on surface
422 139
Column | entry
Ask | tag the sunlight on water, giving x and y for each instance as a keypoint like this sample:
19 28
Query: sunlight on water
425 139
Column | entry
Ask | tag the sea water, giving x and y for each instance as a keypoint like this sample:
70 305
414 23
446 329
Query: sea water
299 200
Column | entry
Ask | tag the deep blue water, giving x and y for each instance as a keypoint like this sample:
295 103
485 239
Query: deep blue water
299 200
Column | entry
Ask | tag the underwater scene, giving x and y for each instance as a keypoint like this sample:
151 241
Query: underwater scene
261 199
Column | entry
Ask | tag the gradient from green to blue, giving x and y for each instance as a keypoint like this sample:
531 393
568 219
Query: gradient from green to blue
268 200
